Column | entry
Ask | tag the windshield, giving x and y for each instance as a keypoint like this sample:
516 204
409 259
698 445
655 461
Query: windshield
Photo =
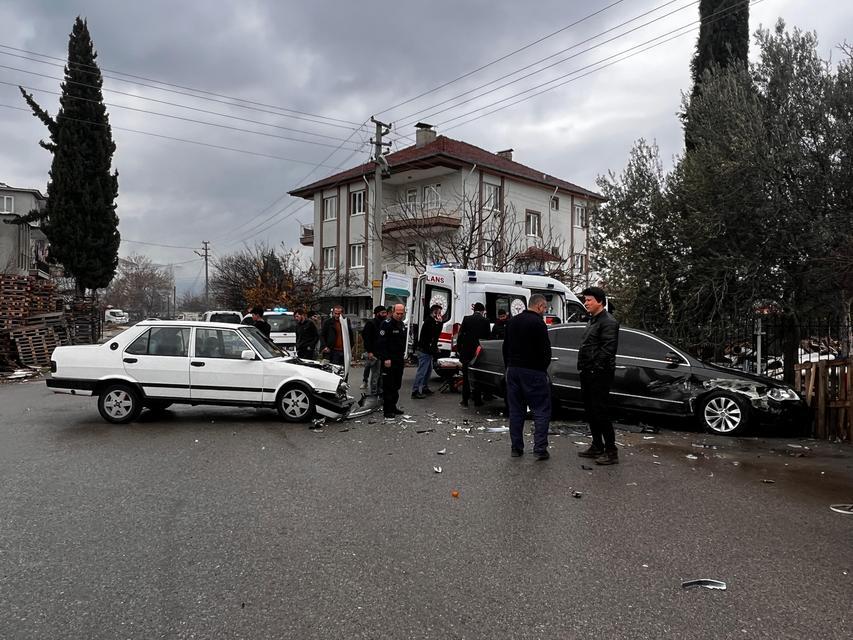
281 324
233 318
263 345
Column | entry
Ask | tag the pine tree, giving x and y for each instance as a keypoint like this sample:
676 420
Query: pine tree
80 220
723 36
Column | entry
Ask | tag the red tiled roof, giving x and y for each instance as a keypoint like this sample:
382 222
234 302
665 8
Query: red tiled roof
444 147
538 253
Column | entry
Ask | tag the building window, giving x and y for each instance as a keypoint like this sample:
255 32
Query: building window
432 196
357 203
330 208
411 197
356 255
329 262
579 262
580 216
7 204
555 203
489 253
491 196
533 224
411 255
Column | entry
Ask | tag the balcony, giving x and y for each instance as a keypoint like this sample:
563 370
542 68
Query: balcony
434 218
306 235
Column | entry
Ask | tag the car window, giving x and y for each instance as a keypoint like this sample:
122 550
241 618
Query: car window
575 312
567 337
281 324
266 347
636 345
218 343
233 318
161 341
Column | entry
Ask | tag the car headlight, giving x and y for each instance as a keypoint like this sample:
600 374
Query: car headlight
782 393
343 389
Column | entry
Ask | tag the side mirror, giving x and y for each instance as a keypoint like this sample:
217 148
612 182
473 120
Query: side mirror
247 354
673 358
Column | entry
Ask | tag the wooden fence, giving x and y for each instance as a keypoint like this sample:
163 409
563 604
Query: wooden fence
827 387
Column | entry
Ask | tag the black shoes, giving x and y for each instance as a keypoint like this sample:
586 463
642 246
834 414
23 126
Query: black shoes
516 453
592 452
608 457
464 403
418 396
398 411
427 391
541 455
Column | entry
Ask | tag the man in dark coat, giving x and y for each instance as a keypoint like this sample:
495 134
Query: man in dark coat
427 348
475 327
306 336
372 365
527 356
391 349
332 336
499 330
597 365
258 321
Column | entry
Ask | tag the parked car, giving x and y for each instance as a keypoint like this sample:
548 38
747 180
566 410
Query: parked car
231 317
282 327
155 364
655 377
116 316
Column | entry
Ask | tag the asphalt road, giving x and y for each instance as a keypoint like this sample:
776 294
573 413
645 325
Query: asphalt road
224 523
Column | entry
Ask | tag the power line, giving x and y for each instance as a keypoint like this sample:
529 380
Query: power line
554 64
167 84
156 244
186 140
504 57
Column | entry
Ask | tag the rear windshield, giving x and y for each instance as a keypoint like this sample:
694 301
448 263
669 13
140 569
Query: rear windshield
281 324
233 318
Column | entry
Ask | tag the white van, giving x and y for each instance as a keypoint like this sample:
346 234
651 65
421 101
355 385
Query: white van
116 316
282 327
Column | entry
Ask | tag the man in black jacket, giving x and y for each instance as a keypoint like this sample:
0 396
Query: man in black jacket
499 330
391 349
597 364
258 321
372 365
474 328
527 356
306 336
427 348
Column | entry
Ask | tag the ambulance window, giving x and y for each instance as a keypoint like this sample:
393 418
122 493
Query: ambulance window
496 302
437 295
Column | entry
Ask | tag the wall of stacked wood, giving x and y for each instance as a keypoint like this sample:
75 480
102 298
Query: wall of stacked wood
35 319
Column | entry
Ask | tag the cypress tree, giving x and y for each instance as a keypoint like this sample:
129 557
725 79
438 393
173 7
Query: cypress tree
80 219
723 36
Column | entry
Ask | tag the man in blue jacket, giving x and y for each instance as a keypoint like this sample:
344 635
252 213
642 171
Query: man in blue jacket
527 356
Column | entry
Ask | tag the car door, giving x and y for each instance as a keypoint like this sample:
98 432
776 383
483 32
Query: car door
158 360
565 381
651 375
217 371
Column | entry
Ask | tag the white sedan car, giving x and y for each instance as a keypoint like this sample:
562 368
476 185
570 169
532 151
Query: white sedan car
157 363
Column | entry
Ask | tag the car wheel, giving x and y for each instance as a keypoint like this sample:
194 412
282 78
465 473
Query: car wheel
158 406
295 404
724 413
119 404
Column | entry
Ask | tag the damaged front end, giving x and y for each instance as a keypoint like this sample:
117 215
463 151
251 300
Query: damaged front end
773 400
326 366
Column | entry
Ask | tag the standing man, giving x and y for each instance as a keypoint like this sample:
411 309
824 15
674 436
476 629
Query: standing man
332 336
427 348
597 364
306 336
499 330
372 365
527 356
391 349
258 320
474 328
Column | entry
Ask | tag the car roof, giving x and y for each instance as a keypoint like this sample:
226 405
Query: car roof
189 323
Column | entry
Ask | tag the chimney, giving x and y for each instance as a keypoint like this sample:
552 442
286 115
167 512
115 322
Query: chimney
506 153
424 135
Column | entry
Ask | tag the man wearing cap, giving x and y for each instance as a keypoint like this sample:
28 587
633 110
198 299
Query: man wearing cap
372 365
427 348
475 327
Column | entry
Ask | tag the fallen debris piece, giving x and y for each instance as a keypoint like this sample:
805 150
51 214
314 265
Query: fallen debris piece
648 437
796 446
501 429
647 428
766 481
846 509
690 456
583 444
437 469
655 462
576 494
704 446
344 430
454 493
318 423
586 468
409 421
424 430
704 582
442 452
631 484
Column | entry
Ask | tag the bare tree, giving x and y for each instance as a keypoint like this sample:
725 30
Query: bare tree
140 286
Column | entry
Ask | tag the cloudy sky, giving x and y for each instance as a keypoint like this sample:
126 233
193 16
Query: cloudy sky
290 83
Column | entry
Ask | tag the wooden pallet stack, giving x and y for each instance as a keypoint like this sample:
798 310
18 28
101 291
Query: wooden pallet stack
34 344
42 297
85 321
14 308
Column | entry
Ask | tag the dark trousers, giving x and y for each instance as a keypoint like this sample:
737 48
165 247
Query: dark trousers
336 357
595 387
392 378
528 388
306 354
467 391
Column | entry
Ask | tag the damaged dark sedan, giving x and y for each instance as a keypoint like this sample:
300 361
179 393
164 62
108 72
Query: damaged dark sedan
655 378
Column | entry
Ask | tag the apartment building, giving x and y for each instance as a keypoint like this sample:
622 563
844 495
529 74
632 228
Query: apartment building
445 200
23 247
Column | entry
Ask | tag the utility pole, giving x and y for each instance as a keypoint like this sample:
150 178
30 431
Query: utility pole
205 255
381 167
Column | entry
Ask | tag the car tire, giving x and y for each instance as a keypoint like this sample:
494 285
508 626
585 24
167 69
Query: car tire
119 404
724 413
158 406
295 404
